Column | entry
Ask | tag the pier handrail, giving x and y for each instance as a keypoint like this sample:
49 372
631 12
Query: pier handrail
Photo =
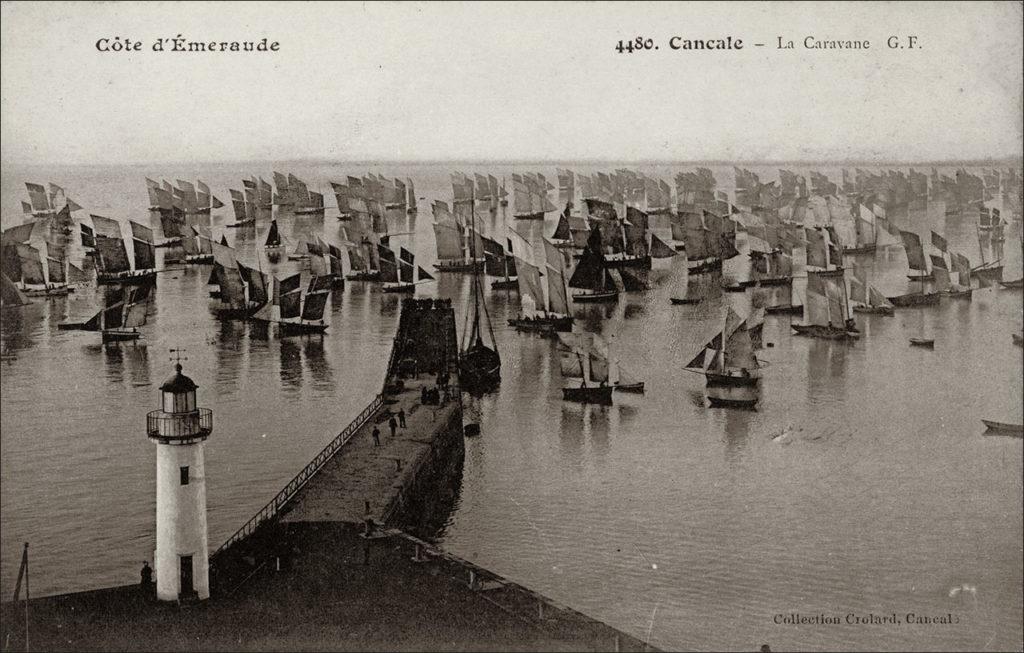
274 506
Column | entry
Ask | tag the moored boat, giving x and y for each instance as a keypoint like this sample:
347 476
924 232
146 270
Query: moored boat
1004 427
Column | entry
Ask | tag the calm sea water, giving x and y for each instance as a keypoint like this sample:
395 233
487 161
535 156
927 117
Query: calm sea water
663 517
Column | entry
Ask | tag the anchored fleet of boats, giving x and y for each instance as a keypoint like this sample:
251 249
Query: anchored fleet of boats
813 245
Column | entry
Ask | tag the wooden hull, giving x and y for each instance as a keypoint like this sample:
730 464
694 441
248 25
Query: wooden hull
505 284
539 215
683 300
1016 283
1004 427
731 380
400 287
120 336
593 394
298 257
241 223
636 388
317 211
595 297
739 287
479 369
854 251
875 310
199 259
542 324
369 275
732 397
168 242
704 266
71 326
827 332
784 310
915 299
461 266
926 343
959 294
48 292
770 281
641 262
920 277
130 279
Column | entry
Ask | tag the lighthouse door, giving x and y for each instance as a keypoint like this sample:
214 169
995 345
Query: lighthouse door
186 578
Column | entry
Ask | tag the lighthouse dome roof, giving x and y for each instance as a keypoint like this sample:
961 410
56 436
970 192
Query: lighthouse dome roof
178 382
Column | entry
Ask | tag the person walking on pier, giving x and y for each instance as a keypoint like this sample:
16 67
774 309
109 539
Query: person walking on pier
376 436
401 417
393 423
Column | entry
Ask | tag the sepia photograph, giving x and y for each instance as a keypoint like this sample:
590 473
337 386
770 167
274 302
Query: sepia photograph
511 326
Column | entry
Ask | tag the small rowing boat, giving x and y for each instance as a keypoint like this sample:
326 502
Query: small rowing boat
1004 427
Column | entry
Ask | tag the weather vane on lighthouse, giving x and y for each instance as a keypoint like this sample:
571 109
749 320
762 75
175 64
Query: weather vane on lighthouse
179 429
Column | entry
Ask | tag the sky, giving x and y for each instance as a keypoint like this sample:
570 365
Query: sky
512 81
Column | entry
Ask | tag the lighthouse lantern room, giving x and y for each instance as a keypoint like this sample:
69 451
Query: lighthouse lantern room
180 429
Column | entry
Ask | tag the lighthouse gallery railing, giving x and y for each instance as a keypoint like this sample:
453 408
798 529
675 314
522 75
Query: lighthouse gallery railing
271 509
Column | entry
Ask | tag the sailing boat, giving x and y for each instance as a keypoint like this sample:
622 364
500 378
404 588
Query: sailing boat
245 210
774 268
530 197
826 306
916 261
35 280
990 270
273 245
501 264
402 275
591 274
579 359
479 365
865 297
545 306
730 368
112 264
456 240
621 379
124 311
794 307
293 312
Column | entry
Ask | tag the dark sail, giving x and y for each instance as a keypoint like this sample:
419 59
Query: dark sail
590 271
88 238
494 258
145 254
291 296
562 231
112 255
600 209
388 265
273 237
407 269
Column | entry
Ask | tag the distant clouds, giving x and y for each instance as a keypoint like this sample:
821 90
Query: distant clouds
510 81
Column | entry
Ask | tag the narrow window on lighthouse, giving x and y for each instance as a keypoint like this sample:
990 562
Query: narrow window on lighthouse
184 475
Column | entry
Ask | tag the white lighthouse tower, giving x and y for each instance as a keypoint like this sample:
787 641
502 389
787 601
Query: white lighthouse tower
179 429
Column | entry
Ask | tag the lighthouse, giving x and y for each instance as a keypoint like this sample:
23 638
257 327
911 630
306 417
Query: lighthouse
180 429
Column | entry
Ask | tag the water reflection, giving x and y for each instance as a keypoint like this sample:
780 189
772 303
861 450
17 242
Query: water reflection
137 356
319 369
291 364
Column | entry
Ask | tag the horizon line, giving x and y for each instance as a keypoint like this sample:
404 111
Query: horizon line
548 160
